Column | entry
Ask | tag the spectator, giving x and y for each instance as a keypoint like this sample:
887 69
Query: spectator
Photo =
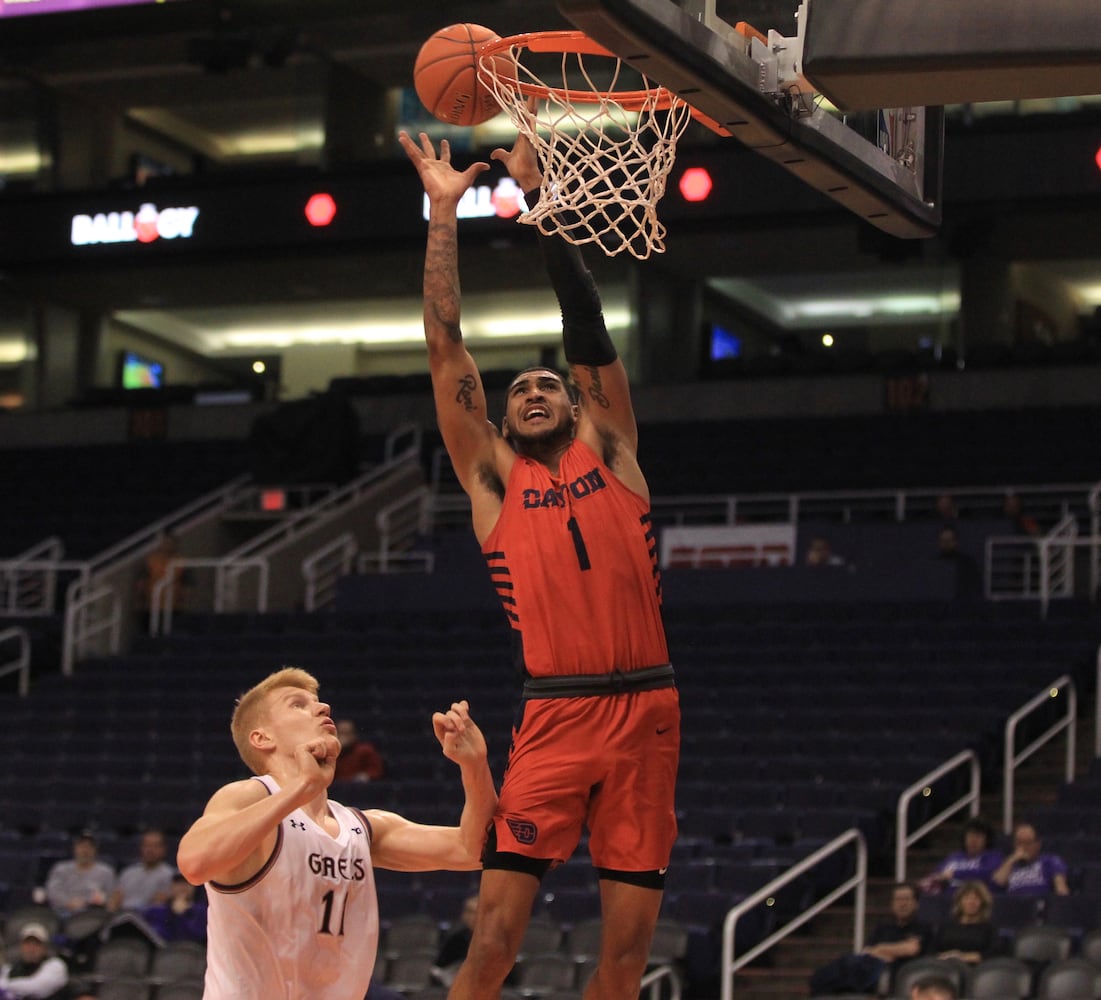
147 881
947 511
820 553
76 885
358 760
154 570
182 916
976 860
1028 871
893 940
35 974
454 947
969 582
933 988
969 935
1020 523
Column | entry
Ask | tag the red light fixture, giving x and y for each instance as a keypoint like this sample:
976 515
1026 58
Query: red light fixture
695 184
320 209
1097 158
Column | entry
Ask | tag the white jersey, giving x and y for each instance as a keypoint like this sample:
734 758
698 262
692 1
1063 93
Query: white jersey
304 927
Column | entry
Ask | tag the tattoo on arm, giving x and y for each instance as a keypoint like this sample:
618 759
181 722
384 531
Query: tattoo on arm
596 388
465 396
441 280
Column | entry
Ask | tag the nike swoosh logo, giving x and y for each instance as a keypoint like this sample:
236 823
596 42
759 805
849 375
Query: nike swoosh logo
665 730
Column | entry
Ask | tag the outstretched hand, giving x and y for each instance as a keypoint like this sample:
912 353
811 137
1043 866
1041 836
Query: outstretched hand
521 162
442 182
462 741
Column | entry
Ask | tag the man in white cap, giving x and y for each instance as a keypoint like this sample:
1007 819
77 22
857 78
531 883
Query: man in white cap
35 974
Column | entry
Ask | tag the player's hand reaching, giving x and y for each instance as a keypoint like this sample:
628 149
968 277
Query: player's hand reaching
521 162
462 741
442 182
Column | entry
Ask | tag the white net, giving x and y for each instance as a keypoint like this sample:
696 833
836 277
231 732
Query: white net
606 153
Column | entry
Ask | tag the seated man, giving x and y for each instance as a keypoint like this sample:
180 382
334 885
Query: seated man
1028 871
899 937
35 972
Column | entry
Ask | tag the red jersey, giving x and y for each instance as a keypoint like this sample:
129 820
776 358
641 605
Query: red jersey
573 558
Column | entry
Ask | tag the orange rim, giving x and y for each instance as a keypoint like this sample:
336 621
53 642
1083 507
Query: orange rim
571 43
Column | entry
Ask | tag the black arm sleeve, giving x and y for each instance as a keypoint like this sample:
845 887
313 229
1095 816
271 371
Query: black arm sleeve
585 339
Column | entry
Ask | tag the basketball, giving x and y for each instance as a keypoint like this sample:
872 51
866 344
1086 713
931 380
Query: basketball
446 75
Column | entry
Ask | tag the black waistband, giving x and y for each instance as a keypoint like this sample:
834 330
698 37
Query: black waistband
587 685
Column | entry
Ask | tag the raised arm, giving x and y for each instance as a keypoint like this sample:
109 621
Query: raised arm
607 421
456 382
403 845
236 833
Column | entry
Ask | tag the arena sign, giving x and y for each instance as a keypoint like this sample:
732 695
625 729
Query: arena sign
146 225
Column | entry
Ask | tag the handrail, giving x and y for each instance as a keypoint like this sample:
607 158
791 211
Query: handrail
1012 759
1097 709
126 549
75 608
1057 562
43 558
22 662
162 596
324 567
971 798
418 501
1094 503
140 539
857 881
1054 499
290 525
655 977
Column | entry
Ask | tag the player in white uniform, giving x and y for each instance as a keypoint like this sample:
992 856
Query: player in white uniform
293 913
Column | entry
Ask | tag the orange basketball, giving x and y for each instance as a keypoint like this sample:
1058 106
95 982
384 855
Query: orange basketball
446 75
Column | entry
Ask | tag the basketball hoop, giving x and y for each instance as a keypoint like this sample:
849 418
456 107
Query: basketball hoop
606 153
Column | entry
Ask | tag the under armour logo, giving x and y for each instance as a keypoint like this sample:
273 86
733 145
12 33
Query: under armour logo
295 824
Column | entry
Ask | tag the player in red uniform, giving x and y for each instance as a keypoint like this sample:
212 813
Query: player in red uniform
561 509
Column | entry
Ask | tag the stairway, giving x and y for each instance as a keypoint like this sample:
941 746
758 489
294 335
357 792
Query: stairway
790 963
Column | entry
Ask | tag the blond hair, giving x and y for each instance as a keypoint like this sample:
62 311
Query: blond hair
251 708
979 889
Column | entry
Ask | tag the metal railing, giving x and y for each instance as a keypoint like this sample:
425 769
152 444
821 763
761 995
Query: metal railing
80 628
1048 503
22 662
325 567
923 786
84 622
28 583
858 881
1057 562
1097 708
399 524
652 982
227 576
1058 688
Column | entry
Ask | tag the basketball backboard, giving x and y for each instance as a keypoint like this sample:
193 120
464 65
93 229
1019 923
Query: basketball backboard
786 97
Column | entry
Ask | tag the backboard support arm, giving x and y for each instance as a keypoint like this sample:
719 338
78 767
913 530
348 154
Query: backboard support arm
707 64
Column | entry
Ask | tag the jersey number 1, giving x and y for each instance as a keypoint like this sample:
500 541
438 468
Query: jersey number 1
327 916
578 543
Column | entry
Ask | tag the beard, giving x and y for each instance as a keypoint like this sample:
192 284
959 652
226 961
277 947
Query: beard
543 438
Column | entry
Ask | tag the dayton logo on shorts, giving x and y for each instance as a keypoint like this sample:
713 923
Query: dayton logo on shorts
524 831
